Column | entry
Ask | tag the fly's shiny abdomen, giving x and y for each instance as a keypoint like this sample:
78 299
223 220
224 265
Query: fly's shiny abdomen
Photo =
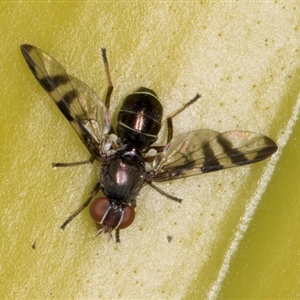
139 119
123 176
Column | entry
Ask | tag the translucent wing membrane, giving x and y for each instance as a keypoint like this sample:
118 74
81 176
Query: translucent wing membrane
206 150
77 101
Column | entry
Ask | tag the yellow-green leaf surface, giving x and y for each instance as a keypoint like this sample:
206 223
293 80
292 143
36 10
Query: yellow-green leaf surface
236 234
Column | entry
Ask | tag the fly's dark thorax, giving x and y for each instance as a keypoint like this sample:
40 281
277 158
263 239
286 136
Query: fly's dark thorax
122 176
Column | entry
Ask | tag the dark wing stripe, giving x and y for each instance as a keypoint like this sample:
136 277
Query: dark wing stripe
212 168
209 156
237 157
210 162
46 82
268 150
65 109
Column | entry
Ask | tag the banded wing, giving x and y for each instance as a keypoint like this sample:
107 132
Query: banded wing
77 101
206 150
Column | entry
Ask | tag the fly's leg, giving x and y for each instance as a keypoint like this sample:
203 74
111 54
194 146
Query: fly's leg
117 236
92 194
73 164
170 124
177 112
166 146
110 85
164 193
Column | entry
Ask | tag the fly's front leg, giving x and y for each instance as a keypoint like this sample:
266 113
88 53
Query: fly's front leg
117 236
92 194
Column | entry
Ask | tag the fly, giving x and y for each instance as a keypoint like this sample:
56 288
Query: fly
128 159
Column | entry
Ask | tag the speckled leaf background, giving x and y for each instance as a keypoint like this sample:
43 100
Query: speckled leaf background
236 234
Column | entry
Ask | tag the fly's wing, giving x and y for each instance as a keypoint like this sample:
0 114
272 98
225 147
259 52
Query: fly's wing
77 101
206 150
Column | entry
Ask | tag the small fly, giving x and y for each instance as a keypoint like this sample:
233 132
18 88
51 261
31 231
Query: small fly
127 154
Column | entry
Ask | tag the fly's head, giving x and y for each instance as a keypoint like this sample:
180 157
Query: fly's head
110 216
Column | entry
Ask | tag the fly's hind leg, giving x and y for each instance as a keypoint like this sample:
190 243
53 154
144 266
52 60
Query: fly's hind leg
170 124
110 85
177 112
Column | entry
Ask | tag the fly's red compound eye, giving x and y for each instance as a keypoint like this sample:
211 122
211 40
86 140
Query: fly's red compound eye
98 208
128 217
107 214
